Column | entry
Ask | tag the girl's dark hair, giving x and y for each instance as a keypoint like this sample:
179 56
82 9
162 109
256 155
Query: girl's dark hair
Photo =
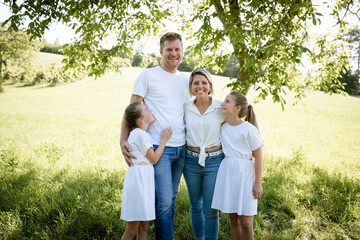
246 110
132 113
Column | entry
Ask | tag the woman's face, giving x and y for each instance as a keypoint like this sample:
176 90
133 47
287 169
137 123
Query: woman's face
200 86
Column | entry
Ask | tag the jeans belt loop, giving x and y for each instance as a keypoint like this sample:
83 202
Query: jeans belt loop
195 154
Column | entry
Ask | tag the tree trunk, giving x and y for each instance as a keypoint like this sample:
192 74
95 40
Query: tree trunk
242 78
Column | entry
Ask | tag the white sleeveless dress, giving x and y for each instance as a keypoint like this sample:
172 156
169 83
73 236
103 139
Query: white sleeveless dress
138 199
235 177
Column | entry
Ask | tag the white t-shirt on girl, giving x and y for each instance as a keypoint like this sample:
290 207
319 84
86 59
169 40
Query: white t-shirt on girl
240 141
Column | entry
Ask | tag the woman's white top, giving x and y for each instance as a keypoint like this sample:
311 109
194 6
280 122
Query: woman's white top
240 141
203 131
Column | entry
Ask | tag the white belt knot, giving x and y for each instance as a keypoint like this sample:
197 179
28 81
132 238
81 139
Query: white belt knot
202 156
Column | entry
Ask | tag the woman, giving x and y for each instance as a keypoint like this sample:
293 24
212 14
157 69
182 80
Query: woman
203 154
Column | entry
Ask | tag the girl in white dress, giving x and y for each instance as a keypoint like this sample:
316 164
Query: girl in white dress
138 200
238 181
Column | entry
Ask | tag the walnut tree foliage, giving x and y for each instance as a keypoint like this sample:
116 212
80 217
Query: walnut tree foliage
15 49
268 38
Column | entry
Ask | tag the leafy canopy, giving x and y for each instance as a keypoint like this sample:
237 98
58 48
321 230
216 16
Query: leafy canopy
15 48
268 38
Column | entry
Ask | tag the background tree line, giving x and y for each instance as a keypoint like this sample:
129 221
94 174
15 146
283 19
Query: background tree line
17 53
17 50
269 39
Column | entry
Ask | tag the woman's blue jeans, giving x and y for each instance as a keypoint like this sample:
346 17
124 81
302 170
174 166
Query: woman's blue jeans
200 182
168 171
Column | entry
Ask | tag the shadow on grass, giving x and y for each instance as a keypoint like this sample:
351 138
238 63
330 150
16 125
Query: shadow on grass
59 205
10 83
41 203
295 190
337 200
34 85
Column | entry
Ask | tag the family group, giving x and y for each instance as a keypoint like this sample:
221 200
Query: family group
173 127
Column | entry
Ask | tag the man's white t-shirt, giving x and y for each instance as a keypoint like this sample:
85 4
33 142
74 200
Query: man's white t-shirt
165 94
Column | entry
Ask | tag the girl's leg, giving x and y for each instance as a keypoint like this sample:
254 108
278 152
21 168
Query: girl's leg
235 226
130 231
143 231
247 227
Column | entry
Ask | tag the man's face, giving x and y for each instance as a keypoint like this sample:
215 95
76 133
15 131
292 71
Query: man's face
172 55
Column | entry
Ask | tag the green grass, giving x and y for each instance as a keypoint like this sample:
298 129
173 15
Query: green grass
61 169
47 58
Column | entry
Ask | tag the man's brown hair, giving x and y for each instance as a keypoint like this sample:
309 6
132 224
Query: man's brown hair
169 36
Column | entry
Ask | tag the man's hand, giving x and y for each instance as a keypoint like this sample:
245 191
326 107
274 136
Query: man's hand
124 134
126 149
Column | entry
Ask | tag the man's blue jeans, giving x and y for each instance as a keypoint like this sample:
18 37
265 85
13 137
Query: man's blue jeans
200 182
168 171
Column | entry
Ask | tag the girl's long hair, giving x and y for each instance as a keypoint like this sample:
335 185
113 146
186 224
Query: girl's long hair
132 113
246 110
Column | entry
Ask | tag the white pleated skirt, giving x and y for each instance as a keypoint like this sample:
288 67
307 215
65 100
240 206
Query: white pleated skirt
138 199
233 188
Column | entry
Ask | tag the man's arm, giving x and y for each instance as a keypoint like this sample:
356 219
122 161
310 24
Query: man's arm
124 145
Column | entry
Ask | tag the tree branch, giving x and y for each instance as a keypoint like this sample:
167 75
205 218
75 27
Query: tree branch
220 10
347 10
235 10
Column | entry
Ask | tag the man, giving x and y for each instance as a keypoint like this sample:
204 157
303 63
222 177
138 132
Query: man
164 90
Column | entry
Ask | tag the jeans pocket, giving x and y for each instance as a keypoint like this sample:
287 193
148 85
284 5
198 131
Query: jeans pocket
218 158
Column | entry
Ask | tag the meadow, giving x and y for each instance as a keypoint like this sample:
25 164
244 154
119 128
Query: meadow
61 169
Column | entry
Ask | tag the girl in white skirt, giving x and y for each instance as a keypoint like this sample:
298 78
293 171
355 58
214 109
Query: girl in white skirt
238 181
138 200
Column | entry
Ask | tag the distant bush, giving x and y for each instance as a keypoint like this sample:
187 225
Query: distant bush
145 61
349 83
119 62
52 48
6 76
137 60
186 66
50 74
352 86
